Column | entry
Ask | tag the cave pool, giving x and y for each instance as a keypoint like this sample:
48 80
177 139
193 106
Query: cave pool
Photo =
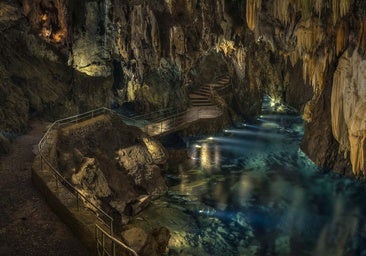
252 191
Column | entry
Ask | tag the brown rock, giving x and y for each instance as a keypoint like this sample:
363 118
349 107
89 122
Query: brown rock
156 243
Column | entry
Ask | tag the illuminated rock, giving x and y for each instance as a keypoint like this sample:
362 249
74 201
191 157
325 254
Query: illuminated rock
349 109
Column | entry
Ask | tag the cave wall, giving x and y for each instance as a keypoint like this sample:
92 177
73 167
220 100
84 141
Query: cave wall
324 43
308 53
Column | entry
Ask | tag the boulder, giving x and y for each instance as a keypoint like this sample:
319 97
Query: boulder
135 237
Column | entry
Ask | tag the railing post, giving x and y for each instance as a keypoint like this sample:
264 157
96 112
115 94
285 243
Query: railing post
103 243
56 182
77 200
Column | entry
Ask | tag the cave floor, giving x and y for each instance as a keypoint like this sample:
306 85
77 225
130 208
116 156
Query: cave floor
27 224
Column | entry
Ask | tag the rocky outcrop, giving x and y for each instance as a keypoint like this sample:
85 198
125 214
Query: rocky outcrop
112 164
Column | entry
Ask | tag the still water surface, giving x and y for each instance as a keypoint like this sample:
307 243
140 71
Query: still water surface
251 191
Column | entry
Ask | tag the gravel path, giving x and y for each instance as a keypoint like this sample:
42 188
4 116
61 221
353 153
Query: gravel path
27 225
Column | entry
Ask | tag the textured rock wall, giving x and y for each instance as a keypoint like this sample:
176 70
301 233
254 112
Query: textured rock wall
151 53
326 39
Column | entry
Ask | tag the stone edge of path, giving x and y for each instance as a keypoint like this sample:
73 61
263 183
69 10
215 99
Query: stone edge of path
63 203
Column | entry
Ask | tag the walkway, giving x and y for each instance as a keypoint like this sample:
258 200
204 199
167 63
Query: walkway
201 104
27 225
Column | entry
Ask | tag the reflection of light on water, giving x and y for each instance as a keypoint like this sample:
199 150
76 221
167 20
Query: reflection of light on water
217 156
183 186
194 153
205 157
245 188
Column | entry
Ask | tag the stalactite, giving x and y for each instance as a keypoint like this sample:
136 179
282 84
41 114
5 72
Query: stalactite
357 139
252 8
339 127
340 8
318 6
306 6
309 35
239 60
348 109
314 72
362 36
280 10
342 37
294 57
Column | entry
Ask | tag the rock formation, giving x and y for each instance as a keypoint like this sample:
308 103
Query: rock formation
75 55
112 164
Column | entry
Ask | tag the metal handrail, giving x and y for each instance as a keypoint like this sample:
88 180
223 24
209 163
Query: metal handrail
113 240
59 177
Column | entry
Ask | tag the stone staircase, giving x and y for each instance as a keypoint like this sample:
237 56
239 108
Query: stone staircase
201 97
201 107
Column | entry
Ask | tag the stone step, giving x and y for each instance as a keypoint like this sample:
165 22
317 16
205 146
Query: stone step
202 94
202 104
204 90
223 79
200 100
198 96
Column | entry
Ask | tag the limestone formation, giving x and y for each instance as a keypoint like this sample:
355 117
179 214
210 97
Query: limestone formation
113 164
63 57
348 109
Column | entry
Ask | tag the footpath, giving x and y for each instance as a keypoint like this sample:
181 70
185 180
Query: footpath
27 225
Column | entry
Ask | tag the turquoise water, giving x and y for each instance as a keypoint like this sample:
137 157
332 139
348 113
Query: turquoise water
251 191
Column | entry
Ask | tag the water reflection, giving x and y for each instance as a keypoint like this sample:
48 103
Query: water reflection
253 192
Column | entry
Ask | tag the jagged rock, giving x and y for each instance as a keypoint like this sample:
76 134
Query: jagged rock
91 181
140 161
